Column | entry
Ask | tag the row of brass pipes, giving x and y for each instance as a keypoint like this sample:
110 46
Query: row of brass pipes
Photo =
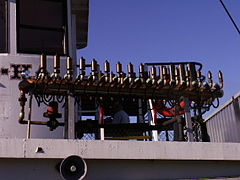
182 75
167 81
174 75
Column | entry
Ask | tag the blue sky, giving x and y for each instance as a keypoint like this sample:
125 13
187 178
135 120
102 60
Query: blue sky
167 30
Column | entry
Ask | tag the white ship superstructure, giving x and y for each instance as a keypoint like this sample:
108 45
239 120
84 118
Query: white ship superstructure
54 106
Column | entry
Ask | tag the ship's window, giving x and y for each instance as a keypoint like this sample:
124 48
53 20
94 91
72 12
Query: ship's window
41 26
3 26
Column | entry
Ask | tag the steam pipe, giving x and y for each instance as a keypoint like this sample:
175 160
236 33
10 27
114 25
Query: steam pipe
22 100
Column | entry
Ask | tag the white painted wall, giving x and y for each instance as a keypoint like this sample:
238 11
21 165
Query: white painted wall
9 93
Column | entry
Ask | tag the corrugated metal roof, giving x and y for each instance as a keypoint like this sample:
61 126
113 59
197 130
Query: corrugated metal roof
222 107
223 125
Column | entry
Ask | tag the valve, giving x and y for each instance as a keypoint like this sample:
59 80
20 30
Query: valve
52 114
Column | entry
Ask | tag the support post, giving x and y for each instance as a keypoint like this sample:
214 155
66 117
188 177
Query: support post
151 117
69 118
140 111
29 118
188 119
177 126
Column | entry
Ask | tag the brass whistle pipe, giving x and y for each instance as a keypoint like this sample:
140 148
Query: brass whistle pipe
199 75
43 63
119 71
142 74
192 74
94 67
106 71
165 76
82 64
56 68
69 75
172 75
210 81
43 67
153 75
160 81
130 68
56 64
177 77
187 75
81 74
220 77
182 75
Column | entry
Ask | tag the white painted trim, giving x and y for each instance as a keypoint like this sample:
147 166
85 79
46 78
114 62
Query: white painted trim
145 150
12 27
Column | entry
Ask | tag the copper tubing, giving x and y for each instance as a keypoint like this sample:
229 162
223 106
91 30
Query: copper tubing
22 100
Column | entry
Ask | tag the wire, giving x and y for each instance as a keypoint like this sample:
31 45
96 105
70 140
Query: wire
229 15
